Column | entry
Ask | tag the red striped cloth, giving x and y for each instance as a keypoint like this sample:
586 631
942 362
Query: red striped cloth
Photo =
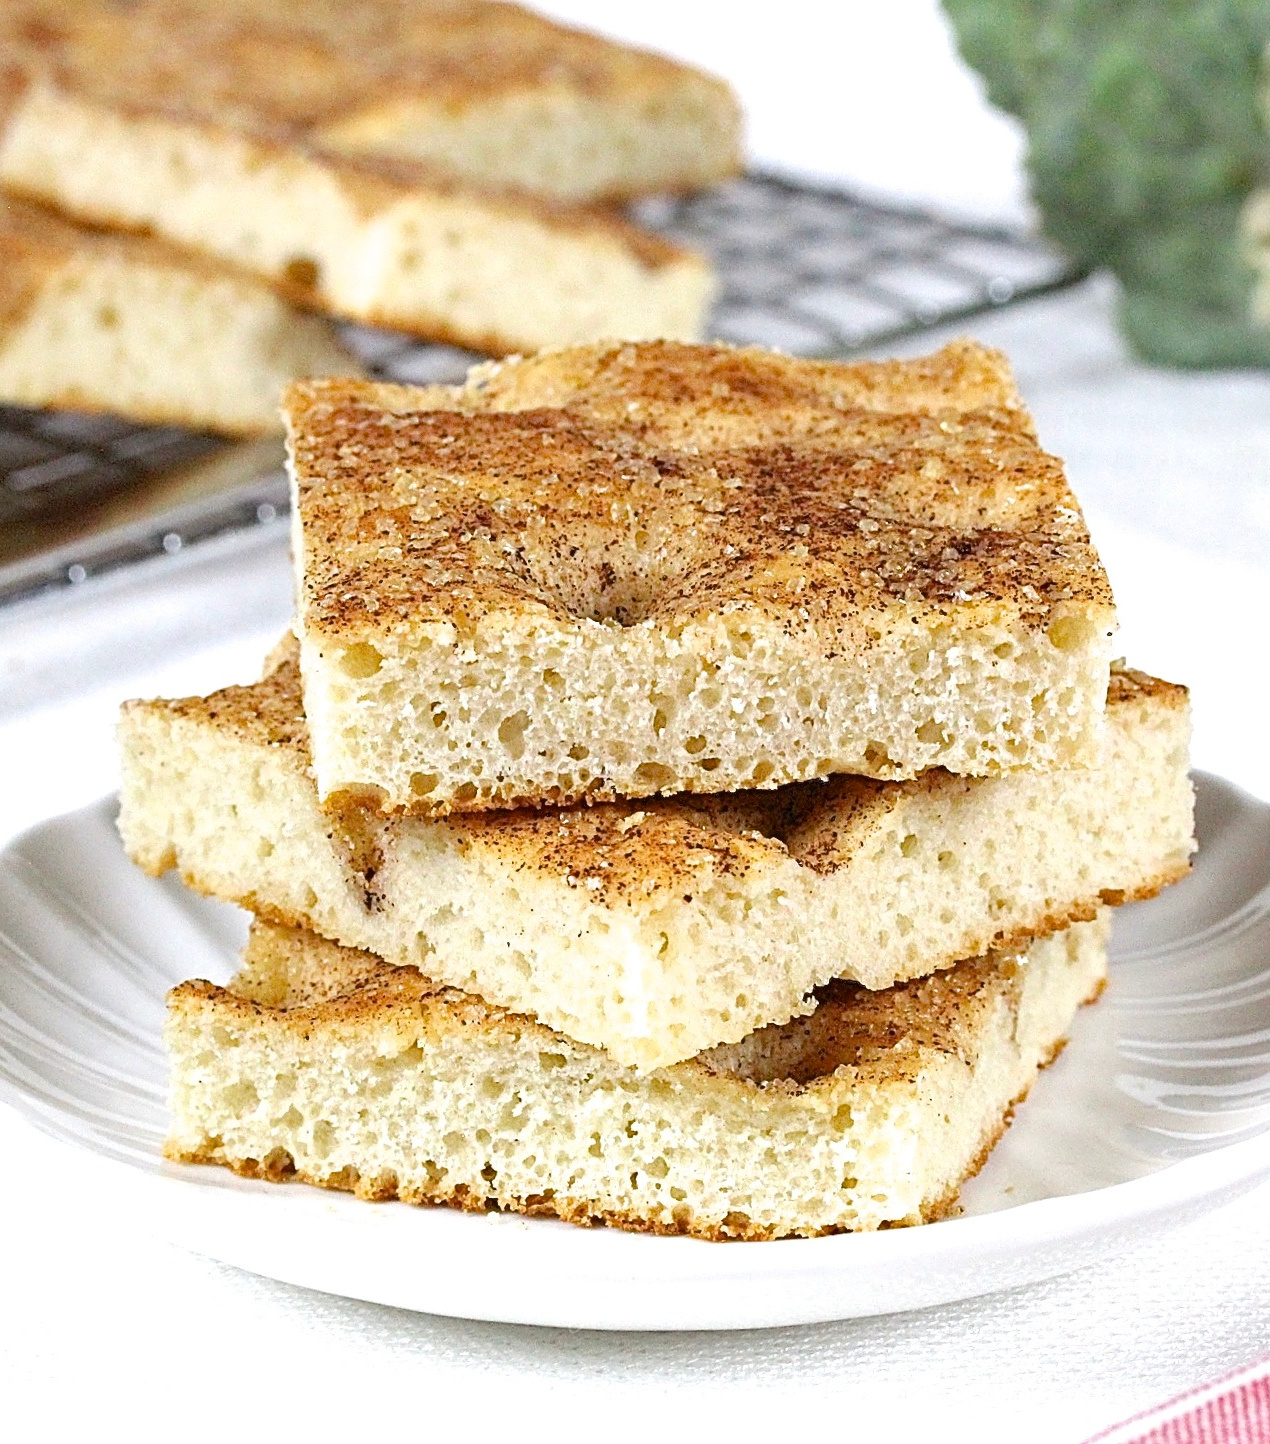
1233 1410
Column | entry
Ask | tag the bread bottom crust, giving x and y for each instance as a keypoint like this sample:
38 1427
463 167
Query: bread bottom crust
911 1067
279 1167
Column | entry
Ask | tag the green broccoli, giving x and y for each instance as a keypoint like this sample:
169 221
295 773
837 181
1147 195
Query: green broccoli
1145 142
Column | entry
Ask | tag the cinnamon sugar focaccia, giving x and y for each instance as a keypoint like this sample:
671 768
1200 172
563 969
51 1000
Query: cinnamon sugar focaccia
658 929
400 163
490 94
91 322
624 570
329 1066
380 245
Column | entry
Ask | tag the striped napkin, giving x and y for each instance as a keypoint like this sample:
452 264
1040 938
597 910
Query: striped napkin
1232 1410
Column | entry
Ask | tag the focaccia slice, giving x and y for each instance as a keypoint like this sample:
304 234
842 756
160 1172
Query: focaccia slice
90 322
658 930
619 571
489 94
331 1067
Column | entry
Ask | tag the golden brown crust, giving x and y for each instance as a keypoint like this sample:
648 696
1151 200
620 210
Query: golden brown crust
326 74
23 275
987 943
627 849
1128 686
269 712
279 1167
671 393
289 68
37 231
815 495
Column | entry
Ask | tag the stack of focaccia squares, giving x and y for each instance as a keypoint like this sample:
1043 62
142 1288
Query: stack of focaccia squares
691 800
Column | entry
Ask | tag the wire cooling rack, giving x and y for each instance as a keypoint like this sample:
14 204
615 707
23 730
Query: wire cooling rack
811 270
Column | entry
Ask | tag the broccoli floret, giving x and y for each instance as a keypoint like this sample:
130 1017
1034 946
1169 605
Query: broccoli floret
1145 140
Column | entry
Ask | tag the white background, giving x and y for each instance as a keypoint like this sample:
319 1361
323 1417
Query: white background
866 91
100 1325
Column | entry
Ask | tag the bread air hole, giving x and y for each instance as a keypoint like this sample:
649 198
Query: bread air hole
877 756
241 1097
655 774
302 272
275 1165
1070 634
511 733
932 734
360 660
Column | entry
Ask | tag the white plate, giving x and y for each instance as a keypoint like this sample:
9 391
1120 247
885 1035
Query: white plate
1158 1110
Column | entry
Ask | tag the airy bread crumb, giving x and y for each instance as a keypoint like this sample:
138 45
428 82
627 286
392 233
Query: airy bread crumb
661 928
625 570
491 94
110 323
334 1068
378 244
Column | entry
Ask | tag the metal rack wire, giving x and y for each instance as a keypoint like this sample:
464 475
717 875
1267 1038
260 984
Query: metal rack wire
819 272
811 270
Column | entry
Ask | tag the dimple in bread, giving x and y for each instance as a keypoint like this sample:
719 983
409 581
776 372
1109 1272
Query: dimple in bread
659 929
625 570
93 322
329 1066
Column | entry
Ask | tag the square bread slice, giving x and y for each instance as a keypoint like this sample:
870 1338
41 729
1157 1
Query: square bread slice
490 94
330 1066
659 930
625 570
381 245
92 322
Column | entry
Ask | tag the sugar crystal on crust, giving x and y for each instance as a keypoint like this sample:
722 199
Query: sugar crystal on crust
631 569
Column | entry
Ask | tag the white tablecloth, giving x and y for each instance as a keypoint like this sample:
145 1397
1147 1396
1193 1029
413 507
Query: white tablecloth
97 1321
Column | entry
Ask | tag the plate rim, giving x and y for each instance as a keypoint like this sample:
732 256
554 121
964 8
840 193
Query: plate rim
1168 1198
1056 1226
